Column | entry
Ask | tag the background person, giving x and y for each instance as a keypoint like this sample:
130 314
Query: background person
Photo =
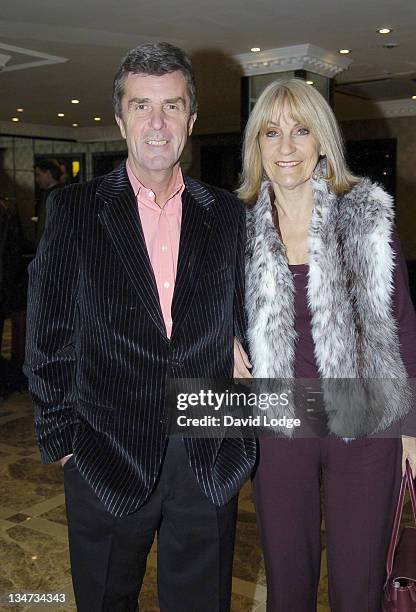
47 175
327 296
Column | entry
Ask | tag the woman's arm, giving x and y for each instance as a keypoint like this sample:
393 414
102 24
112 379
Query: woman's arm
405 316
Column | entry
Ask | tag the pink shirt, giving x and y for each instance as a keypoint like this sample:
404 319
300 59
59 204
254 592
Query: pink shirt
162 230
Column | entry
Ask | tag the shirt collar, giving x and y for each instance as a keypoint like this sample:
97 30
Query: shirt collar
137 185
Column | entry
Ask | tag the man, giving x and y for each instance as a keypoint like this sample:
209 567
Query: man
47 176
139 278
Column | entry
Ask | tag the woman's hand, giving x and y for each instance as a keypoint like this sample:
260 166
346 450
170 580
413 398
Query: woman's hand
241 361
409 452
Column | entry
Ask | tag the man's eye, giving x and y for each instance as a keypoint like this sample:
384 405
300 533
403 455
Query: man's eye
141 107
171 108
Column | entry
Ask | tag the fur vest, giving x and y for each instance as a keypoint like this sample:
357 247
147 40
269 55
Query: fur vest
350 285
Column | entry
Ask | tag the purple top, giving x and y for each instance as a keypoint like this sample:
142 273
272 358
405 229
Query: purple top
305 365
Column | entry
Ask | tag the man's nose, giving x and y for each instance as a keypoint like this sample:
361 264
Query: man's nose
157 118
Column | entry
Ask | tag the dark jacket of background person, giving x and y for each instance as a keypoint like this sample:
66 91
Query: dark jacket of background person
48 173
40 226
10 257
111 412
13 290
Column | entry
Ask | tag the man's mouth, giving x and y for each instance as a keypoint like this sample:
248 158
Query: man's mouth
156 143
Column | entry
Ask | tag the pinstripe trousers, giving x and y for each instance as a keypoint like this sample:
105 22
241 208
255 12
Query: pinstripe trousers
194 546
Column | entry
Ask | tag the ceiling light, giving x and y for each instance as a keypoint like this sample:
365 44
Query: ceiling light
74 101
75 125
15 119
344 51
20 110
97 118
384 30
309 82
255 49
413 97
61 114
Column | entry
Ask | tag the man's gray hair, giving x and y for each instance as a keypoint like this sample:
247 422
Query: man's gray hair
155 59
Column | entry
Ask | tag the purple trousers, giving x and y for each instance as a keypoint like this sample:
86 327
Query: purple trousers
360 480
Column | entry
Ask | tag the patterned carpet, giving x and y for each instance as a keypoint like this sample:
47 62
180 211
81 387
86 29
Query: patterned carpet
33 538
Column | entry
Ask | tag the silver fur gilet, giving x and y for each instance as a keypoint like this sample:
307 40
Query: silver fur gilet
350 285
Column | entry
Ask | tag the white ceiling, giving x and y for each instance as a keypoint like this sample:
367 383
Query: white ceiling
93 35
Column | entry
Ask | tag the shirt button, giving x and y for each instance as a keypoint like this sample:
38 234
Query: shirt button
166 285
151 194
164 248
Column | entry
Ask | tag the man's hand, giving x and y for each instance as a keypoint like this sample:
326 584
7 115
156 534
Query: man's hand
241 361
65 459
409 452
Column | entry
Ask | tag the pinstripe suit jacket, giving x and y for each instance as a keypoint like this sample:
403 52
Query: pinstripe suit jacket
98 357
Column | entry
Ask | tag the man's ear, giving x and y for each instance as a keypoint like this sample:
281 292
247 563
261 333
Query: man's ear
191 122
120 124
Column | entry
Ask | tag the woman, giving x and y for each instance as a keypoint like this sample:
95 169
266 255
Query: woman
324 277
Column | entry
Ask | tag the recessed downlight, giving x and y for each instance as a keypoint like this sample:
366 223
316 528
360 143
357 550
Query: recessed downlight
344 51
61 114
75 125
15 119
255 49
384 30
309 82
97 118
20 110
413 97
74 101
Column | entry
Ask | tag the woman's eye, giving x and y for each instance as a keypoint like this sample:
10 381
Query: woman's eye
303 131
271 133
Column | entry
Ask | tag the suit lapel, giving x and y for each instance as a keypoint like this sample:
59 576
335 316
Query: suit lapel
198 221
121 221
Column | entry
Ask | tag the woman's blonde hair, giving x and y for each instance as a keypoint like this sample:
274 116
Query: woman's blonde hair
307 106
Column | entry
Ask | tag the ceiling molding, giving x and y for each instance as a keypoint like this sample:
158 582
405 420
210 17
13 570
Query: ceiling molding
397 108
79 134
3 60
35 130
296 57
43 59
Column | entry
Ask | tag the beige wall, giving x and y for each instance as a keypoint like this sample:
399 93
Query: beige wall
219 93
404 130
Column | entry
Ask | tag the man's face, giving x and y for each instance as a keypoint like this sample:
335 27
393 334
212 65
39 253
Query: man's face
155 121
43 179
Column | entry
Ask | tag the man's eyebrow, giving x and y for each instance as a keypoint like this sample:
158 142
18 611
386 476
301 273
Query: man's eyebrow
174 100
148 100
138 101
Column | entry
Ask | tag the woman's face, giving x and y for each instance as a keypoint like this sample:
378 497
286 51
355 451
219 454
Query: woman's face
289 152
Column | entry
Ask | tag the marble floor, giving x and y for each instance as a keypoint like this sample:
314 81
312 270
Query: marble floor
33 536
